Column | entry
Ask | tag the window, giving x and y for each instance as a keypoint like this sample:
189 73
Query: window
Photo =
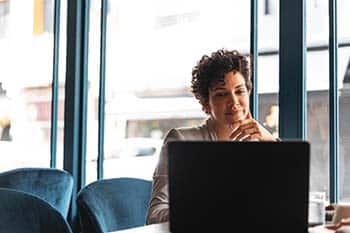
270 7
4 12
147 96
25 84
43 16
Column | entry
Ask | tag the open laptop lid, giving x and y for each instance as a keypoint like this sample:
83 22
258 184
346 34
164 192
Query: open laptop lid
238 186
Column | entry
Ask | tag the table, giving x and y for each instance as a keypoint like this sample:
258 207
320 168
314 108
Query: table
153 228
164 228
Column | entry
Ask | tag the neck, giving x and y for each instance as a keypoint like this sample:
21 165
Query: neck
222 131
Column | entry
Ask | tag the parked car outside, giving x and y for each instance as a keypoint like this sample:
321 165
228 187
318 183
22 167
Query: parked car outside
136 157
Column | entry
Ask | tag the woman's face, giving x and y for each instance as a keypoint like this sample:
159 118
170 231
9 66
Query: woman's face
229 100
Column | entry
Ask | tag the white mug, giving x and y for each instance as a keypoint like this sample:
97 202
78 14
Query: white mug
317 212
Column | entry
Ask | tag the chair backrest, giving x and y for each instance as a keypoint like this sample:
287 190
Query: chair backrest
21 212
113 204
53 185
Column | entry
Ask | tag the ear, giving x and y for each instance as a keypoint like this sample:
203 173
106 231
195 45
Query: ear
205 107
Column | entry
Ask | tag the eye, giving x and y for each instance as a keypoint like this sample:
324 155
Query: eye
219 94
241 91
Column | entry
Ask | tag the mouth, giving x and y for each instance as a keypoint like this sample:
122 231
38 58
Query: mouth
233 112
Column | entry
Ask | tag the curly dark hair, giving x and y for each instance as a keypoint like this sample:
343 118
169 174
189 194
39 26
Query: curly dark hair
211 69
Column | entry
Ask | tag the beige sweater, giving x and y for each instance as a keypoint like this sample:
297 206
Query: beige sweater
158 210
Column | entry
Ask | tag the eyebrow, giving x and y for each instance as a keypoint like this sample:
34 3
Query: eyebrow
218 88
223 88
239 86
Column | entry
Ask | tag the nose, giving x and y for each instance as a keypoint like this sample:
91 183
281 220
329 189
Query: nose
234 99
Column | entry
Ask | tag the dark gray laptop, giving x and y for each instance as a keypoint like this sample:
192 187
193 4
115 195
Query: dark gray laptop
238 186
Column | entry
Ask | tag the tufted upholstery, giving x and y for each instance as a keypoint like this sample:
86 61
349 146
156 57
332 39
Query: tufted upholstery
53 185
21 212
113 204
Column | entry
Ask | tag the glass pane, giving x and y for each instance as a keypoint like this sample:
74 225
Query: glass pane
344 114
344 101
268 64
316 22
26 45
318 119
93 91
343 19
61 78
317 85
149 63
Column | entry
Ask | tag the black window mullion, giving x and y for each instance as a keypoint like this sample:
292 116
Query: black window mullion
254 101
76 98
101 103
292 79
333 104
55 84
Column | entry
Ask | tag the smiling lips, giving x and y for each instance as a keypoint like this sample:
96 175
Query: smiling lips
233 111
235 114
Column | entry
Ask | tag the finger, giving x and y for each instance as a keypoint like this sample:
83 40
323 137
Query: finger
258 128
249 115
331 227
249 137
345 221
250 127
246 133
234 126
235 134
343 229
248 124
255 137
242 137
250 131
245 130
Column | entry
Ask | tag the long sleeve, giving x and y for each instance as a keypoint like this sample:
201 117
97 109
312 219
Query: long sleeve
159 206
158 210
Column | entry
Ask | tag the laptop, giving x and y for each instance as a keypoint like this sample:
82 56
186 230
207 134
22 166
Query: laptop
238 186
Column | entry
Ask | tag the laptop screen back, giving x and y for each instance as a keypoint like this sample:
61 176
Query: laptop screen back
238 186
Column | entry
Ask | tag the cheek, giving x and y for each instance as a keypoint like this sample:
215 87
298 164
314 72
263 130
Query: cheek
216 106
245 102
219 109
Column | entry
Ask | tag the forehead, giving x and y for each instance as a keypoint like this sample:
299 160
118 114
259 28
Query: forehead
231 80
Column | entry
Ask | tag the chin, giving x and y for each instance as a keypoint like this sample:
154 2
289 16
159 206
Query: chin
236 119
231 122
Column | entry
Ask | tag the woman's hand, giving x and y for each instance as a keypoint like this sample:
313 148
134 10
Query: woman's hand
250 130
341 227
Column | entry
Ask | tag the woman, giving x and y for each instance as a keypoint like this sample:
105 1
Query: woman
341 227
221 82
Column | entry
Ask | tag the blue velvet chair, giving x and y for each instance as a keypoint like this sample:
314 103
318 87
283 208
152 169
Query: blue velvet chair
21 212
113 204
53 185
